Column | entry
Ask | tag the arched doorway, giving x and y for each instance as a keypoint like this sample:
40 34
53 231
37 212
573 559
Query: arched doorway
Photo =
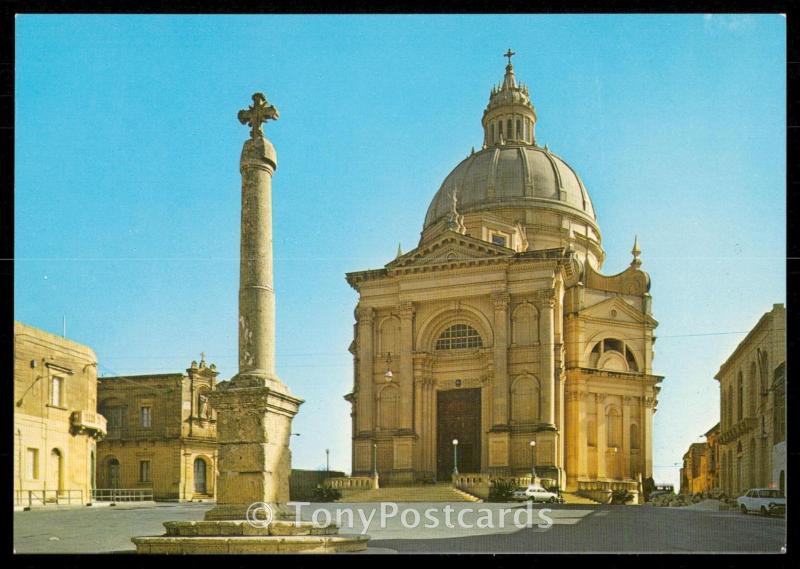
113 473
55 474
200 486
739 486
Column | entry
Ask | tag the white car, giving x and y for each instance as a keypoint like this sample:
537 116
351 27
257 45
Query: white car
766 501
535 493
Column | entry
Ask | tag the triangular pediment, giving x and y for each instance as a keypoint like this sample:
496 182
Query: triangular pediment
450 248
616 309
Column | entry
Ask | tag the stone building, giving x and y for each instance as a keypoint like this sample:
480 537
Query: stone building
162 433
700 471
752 385
499 329
56 424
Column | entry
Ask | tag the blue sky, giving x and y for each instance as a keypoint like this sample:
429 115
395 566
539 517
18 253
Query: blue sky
127 182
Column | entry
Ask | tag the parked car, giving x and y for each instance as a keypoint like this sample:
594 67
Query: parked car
662 490
766 501
535 493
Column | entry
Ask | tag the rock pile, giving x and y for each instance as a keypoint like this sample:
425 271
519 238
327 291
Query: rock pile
680 500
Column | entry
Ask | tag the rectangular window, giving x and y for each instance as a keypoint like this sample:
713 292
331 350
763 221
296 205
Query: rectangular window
145 416
144 471
56 391
33 463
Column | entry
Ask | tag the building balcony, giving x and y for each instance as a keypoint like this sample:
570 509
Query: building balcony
89 423
737 430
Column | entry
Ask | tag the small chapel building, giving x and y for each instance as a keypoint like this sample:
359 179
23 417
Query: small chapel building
499 329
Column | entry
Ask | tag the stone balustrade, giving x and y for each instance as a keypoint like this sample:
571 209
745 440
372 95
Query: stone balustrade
602 490
480 484
351 483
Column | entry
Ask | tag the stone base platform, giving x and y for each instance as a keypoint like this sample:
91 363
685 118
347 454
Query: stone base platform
239 536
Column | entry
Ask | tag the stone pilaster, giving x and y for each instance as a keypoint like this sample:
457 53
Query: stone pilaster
366 396
625 451
602 432
583 441
406 365
547 360
500 392
647 436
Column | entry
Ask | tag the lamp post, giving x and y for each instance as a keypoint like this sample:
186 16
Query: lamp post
327 460
455 457
374 460
615 462
533 462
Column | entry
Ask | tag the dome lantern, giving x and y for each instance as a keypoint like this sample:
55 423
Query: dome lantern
509 117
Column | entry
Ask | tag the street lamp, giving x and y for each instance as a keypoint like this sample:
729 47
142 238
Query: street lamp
455 457
374 460
616 460
327 460
533 462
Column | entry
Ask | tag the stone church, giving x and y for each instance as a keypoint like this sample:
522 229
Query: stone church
499 330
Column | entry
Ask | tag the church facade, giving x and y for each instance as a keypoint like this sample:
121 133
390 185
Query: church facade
497 344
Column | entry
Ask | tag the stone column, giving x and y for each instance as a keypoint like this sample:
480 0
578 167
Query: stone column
406 365
366 396
547 361
500 391
625 451
647 436
255 409
583 441
602 431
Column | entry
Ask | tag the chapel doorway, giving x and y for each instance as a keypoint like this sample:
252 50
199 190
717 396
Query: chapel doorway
458 416
199 476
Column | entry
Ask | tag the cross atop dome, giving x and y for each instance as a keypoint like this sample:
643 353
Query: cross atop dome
509 117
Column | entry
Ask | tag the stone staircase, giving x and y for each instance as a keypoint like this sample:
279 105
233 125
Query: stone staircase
443 492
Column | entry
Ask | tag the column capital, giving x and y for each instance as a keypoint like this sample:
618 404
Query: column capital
547 298
406 310
501 300
365 314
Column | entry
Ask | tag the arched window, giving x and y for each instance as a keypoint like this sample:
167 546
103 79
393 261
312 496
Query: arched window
614 355
753 389
763 369
390 336
519 129
634 436
525 393
730 407
459 336
509 128
740 397
112 474
388 401
613 428
525 325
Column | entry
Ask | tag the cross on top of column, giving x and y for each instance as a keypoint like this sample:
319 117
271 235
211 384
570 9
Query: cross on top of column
509 54
260 111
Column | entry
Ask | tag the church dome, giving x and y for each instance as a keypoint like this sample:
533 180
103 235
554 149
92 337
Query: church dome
511 176
513 182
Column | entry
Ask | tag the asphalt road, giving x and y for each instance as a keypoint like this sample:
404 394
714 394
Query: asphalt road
582 529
